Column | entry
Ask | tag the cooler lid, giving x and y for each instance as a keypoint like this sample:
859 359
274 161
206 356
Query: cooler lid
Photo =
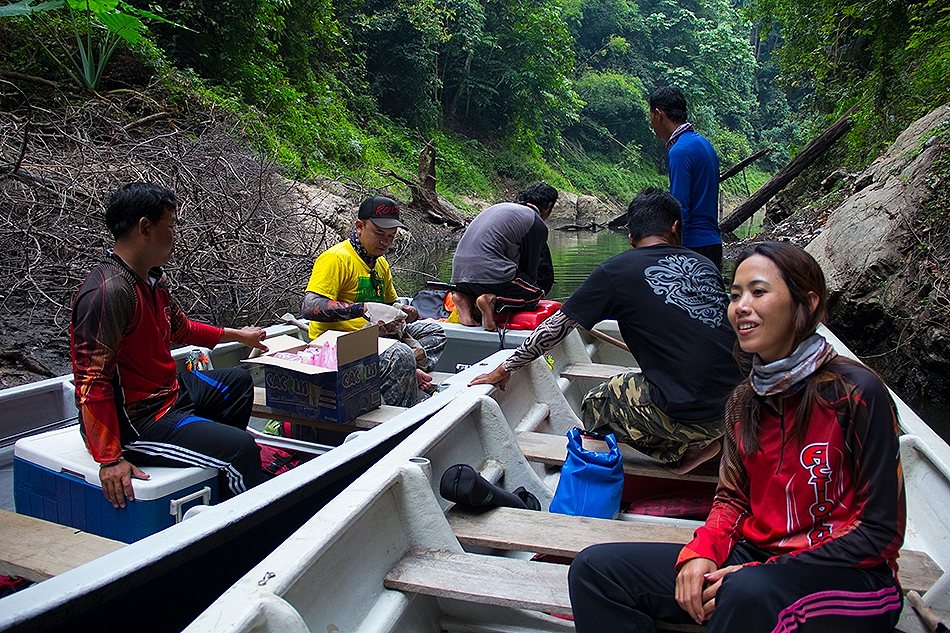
63 451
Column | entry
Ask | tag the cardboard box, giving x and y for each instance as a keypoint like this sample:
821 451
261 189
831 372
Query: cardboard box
56 479
337 396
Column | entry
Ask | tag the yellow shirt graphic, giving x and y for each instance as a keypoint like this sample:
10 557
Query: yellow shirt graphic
340 274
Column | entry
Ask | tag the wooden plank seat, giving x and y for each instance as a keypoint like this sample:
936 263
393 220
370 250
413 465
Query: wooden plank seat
598 371
36 549
562 535
365 421
549 449
493 580
511 529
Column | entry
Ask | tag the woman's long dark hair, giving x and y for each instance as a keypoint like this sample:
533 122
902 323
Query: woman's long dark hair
802 275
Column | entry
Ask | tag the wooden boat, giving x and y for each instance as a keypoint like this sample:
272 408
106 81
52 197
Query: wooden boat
205 554
389 554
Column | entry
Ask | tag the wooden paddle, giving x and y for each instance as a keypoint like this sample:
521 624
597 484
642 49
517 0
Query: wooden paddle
609 339
930 619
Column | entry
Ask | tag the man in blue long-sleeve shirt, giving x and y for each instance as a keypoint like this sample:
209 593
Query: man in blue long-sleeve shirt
694 172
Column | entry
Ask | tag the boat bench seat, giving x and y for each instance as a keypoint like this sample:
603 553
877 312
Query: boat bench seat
598 371
494 580
368 420
503 582
542 586
512 529
549 449
36 549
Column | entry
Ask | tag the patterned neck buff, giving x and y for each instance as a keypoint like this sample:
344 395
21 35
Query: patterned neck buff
362 252
780 376
678 132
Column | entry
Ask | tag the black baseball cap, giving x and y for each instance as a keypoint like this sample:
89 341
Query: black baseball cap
384 212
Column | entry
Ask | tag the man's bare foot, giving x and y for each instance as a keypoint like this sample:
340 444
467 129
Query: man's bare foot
424 381
486 303
464 305
693 457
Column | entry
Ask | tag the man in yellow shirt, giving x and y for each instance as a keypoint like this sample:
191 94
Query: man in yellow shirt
353 273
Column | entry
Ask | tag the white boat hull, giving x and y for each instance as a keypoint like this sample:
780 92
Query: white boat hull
330 574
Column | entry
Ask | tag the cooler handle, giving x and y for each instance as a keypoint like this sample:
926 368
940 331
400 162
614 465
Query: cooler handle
176 505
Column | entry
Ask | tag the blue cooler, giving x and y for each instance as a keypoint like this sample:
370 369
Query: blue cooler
56 479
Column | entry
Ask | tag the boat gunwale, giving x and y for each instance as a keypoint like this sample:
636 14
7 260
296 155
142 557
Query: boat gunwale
168 549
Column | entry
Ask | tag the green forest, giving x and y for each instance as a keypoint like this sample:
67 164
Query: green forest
509 90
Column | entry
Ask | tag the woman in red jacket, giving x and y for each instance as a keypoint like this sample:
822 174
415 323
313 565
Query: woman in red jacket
808 517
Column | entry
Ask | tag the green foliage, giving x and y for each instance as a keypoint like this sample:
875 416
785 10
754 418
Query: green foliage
746 183
591 172
929 48
731 146
511 90
401 40
600 28
626 48
312 45
97 26
891 57
464 166
510 70
29 7
614 115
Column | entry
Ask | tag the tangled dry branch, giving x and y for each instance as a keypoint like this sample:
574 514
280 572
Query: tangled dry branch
246 239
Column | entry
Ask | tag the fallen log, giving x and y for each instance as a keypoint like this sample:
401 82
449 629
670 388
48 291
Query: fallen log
26 361
590 226
786 174
424 197
742 164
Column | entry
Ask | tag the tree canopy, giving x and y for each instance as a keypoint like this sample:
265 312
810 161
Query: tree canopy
542 77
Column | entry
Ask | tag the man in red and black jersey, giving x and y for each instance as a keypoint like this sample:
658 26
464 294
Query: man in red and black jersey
133 407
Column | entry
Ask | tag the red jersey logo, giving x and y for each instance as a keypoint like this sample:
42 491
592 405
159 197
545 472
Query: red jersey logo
815 461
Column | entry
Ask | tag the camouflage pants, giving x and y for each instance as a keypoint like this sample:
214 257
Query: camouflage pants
623 406
397 365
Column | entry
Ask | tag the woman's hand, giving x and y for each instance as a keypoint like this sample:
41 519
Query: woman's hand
690 582
712 589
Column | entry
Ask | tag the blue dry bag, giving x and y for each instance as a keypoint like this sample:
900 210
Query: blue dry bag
591 482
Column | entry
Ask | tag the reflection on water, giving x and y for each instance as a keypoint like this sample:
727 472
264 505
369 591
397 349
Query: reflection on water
576 254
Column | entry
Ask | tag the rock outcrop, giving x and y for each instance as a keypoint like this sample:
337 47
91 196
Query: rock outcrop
580 211
885 253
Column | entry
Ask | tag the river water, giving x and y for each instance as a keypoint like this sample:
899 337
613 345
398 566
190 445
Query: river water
576 254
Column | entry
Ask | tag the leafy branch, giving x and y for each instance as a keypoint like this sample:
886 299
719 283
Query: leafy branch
98 27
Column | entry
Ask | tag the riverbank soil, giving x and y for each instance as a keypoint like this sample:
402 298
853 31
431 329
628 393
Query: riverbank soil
25 354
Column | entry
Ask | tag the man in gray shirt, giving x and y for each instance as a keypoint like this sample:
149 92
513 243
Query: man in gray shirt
497 261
